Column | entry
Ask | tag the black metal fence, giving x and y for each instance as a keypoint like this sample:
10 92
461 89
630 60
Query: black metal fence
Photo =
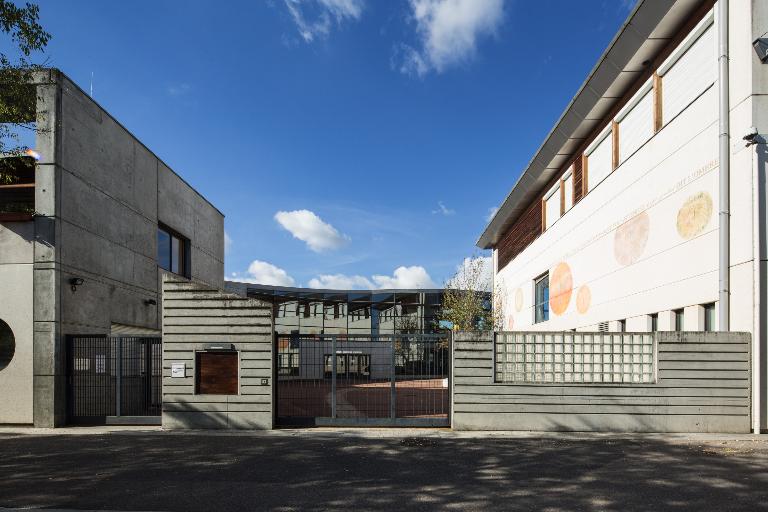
110 378
399 380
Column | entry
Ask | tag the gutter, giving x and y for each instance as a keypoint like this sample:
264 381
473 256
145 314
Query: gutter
725 169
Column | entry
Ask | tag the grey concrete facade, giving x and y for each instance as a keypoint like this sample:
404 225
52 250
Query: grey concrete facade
99 197
196 316
702 385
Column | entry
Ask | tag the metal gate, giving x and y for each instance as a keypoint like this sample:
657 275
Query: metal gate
372 380
112 380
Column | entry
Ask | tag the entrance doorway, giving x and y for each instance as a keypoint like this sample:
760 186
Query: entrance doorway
114 380
372 380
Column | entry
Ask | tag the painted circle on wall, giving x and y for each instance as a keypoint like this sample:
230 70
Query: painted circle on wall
518 300
583 299
560 288
630 239
510 324
7 345
694 215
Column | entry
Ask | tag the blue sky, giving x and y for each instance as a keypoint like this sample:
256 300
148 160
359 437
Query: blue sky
348 142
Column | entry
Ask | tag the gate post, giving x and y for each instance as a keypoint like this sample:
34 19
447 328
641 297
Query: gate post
333 377
119 382
392 379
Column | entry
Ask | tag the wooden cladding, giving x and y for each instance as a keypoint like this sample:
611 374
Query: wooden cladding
520 235
217 373
578 180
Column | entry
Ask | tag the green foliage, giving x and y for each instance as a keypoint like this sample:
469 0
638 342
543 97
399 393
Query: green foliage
466 298
20 25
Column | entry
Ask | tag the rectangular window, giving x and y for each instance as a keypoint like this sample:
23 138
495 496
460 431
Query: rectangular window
552 206
216 373
679 315
709 317
690 75
622 326
654 322
636 125
542 298
172 251
599 161
567 191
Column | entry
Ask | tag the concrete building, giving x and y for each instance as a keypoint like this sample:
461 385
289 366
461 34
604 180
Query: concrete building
86 233
614 224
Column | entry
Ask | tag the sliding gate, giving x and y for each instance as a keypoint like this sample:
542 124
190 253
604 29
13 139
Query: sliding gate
114 380
373 380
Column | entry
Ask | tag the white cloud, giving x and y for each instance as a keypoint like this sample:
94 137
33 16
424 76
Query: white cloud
406 277
442 209
178 89
491 213
315 18
340 282
227 243
465 276
308 227
261 272
403 277
448 31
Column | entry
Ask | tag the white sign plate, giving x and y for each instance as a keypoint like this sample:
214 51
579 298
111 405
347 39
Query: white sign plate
178 370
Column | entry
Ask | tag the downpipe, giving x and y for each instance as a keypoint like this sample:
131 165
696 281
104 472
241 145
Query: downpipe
725 169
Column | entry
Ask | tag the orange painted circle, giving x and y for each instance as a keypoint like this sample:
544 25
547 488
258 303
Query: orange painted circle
694 215
583 299
518 300
560 288
630 239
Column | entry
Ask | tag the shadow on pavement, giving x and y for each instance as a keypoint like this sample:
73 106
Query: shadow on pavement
327 472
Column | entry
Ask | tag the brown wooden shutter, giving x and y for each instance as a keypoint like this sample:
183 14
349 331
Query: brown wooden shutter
578 180
525 230
216 373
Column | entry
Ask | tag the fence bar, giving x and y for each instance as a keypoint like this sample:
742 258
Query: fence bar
393 382
333 376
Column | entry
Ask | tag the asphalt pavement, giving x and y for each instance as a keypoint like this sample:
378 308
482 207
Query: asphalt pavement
138 469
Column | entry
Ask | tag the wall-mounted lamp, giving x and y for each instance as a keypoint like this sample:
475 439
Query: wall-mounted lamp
150 302
761 48
74 282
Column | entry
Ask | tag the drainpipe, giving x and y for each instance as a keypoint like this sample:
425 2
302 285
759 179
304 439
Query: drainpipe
725 168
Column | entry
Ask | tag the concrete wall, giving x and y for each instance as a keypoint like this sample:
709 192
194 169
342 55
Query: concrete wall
195 314
16 256
702 386
100 195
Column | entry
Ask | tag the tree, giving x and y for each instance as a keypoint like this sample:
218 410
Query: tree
17 96
467 296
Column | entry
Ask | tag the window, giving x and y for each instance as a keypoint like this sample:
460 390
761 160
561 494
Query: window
622 326
685 78
567 191
172 251
552 206
709 317
636 124
599 161
542 298
654 322
216 373
7 345
679 315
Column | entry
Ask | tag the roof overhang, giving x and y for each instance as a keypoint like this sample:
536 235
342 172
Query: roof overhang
648 29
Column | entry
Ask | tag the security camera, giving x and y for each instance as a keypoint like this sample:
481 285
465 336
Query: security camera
751 136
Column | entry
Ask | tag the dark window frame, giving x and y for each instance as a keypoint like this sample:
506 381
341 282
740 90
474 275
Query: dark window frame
541 307
184 259
679 315
709 317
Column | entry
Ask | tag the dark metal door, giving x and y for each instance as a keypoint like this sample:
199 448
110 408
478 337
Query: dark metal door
114 379
386 380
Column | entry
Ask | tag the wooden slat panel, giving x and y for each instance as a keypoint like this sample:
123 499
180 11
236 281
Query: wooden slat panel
521 234
217 373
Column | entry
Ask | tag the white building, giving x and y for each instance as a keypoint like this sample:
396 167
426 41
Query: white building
614 224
